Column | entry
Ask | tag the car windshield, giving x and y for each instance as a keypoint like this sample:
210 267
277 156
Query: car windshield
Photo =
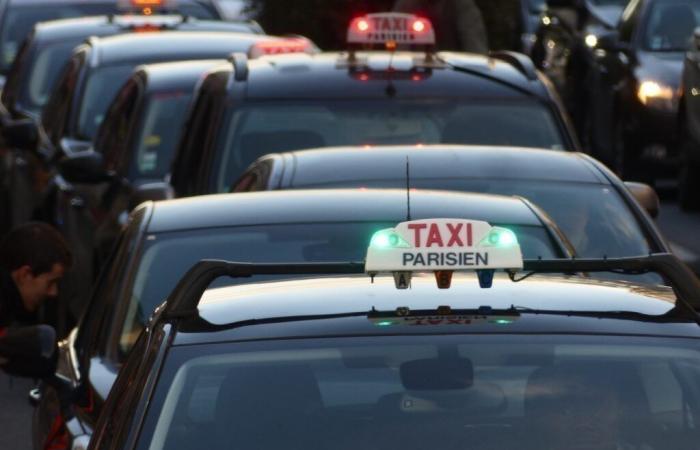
101 88
670 25
259 129
167 256
19 20
594 217
160 131
448 392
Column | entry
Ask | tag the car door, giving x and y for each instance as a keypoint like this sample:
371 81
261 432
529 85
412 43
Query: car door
69 410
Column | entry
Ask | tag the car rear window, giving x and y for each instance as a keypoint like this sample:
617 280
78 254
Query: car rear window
422 392
258 129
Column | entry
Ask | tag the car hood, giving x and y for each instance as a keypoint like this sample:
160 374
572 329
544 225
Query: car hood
665 67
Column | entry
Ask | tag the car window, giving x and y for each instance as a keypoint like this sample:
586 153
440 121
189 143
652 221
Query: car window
160 130
167 256
416 392
59 105
114 133
593 217
256 130
41 74
19 20
100 89
670 25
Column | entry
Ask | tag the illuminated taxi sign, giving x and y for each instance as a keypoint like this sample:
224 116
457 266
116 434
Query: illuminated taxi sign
282 46
442 246
391 29
145 6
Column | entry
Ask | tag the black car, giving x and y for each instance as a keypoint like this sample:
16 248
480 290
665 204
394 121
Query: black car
18 17
689 123
77 106
245 109
549 362
34 73
636 83
564 46
163 239
133 150
599 213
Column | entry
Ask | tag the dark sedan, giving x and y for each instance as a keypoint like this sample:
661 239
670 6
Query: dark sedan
163 239
592 206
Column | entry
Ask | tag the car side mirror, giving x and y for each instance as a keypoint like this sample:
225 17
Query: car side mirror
646 196
22 134
84 167
29 351
151 192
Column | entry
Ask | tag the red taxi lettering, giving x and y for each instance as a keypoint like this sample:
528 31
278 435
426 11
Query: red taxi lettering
459 235
434 236
416 227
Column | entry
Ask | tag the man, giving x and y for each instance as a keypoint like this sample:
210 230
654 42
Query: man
33 259
459 24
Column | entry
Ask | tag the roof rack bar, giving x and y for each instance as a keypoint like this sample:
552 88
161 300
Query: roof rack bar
185 298
684 282
521 62
240 66
188 292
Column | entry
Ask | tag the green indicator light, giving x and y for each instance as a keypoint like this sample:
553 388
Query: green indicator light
388 239
502 322
384 323
502 237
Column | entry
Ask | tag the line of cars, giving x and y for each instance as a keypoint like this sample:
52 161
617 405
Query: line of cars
133 374
631 84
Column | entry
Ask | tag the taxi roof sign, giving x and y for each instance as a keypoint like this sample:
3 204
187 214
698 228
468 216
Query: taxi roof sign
439 245
282 46
145 6
391 29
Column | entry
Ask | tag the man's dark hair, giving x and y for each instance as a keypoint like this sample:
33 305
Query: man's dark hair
37 245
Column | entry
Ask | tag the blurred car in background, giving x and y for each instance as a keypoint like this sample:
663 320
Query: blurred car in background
636 86
245 109
33 75
564 46
600 215
75 110
689 129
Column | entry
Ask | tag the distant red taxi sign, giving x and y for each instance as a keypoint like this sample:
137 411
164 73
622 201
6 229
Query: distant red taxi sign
396 28
443 245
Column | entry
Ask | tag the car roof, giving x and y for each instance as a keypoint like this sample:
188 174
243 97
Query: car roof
251 304
61 2
334 205
462 75
106 25
174 75
169 45
315 166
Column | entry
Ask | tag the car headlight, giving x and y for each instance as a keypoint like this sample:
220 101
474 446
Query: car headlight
654 94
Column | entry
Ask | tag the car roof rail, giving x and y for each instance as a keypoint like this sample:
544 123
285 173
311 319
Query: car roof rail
184 300
519 61
240 66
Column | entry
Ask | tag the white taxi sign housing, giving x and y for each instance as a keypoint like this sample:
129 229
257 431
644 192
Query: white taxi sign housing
391 28
443 245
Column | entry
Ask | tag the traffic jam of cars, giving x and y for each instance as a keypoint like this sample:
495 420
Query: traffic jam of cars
388 245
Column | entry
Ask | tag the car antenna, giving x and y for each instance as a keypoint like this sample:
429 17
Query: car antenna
408 190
